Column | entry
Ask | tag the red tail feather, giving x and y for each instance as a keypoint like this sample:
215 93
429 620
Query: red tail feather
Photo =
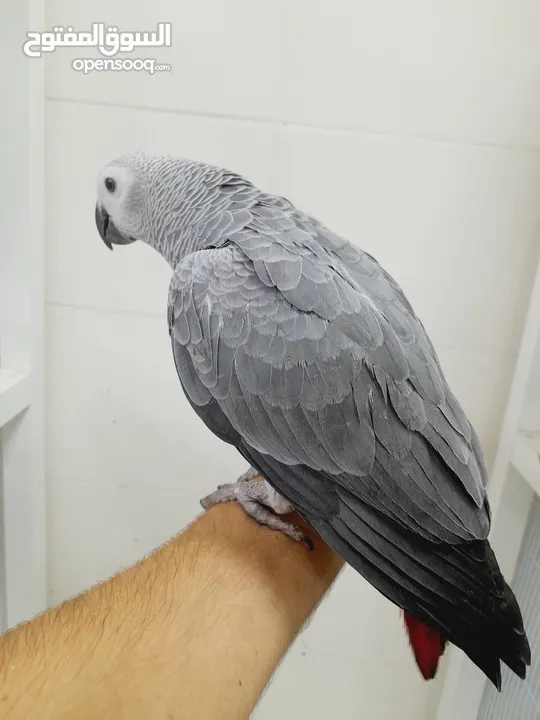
427 644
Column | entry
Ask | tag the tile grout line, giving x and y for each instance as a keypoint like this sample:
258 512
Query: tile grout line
108 311
280 123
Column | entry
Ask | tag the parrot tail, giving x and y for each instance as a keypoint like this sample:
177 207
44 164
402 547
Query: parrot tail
427 644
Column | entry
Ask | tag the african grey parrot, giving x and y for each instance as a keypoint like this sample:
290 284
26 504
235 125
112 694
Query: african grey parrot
297 348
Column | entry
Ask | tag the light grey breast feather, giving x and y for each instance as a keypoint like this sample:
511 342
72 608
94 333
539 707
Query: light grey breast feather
316 358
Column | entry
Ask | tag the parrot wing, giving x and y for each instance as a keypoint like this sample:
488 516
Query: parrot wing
303 353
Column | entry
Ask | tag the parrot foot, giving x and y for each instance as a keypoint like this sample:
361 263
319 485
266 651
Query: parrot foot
250 474
261 503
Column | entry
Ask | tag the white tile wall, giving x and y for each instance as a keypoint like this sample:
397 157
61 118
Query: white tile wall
225 56
451 68
414 129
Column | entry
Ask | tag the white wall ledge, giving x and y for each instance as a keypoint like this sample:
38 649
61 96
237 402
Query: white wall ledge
15 394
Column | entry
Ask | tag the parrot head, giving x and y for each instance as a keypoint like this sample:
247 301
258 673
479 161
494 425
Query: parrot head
120 203
157 199
133 191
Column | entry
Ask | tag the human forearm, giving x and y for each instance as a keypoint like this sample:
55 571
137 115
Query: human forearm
193 631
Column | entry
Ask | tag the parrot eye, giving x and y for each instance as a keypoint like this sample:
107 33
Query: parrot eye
110 184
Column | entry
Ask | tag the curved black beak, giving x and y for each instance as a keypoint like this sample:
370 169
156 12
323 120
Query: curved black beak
108 230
